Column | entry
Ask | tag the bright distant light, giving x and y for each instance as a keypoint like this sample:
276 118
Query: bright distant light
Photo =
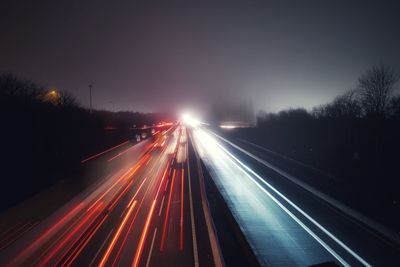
228 126
234 125
185 117
189 120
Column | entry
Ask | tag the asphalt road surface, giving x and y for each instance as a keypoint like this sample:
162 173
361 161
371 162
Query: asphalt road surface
141 214
144 205
284 224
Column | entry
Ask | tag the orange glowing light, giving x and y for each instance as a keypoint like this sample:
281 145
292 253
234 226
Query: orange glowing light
139 250
116 236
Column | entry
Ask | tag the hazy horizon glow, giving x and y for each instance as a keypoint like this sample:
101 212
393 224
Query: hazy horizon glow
186 56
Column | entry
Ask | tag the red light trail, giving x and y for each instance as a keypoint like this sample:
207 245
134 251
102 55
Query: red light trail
121 206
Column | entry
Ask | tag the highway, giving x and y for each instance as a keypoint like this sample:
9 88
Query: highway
146 204
142 214
284 224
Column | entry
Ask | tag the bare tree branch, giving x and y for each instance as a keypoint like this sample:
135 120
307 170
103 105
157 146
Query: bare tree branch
375 88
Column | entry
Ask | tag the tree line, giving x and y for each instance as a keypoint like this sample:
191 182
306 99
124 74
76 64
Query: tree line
372 98
46 133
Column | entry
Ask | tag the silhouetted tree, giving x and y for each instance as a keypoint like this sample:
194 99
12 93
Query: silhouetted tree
394 107
294 114
67 100
375 89
343 106
12 86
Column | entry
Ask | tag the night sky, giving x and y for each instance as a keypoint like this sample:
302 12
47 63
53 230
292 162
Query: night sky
181 55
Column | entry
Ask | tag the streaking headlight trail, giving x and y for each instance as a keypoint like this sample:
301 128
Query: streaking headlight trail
266 216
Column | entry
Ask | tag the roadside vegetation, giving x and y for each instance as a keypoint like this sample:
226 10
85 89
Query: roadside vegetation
46 133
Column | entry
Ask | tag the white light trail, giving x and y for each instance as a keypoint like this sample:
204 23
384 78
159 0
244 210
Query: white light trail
218 150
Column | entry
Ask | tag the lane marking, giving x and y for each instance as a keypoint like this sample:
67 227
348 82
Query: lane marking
379 231
151 248
134 196
116 236
181 221
162 179
127 175
167 213
116 259
101 248
139 249
194 238
121 247
329 234
161 206
166 184
109 189
123 212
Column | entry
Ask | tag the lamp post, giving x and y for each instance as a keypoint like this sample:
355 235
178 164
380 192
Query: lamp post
52 96
113 105
90 97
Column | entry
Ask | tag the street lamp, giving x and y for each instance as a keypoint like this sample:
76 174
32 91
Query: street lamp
52 96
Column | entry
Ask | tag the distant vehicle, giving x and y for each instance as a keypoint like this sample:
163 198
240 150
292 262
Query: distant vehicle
144 135
159 140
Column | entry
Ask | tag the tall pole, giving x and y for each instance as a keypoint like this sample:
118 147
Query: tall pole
90 95
113 105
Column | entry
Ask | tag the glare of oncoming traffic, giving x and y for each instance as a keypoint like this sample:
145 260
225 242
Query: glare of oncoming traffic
189 120
246 191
